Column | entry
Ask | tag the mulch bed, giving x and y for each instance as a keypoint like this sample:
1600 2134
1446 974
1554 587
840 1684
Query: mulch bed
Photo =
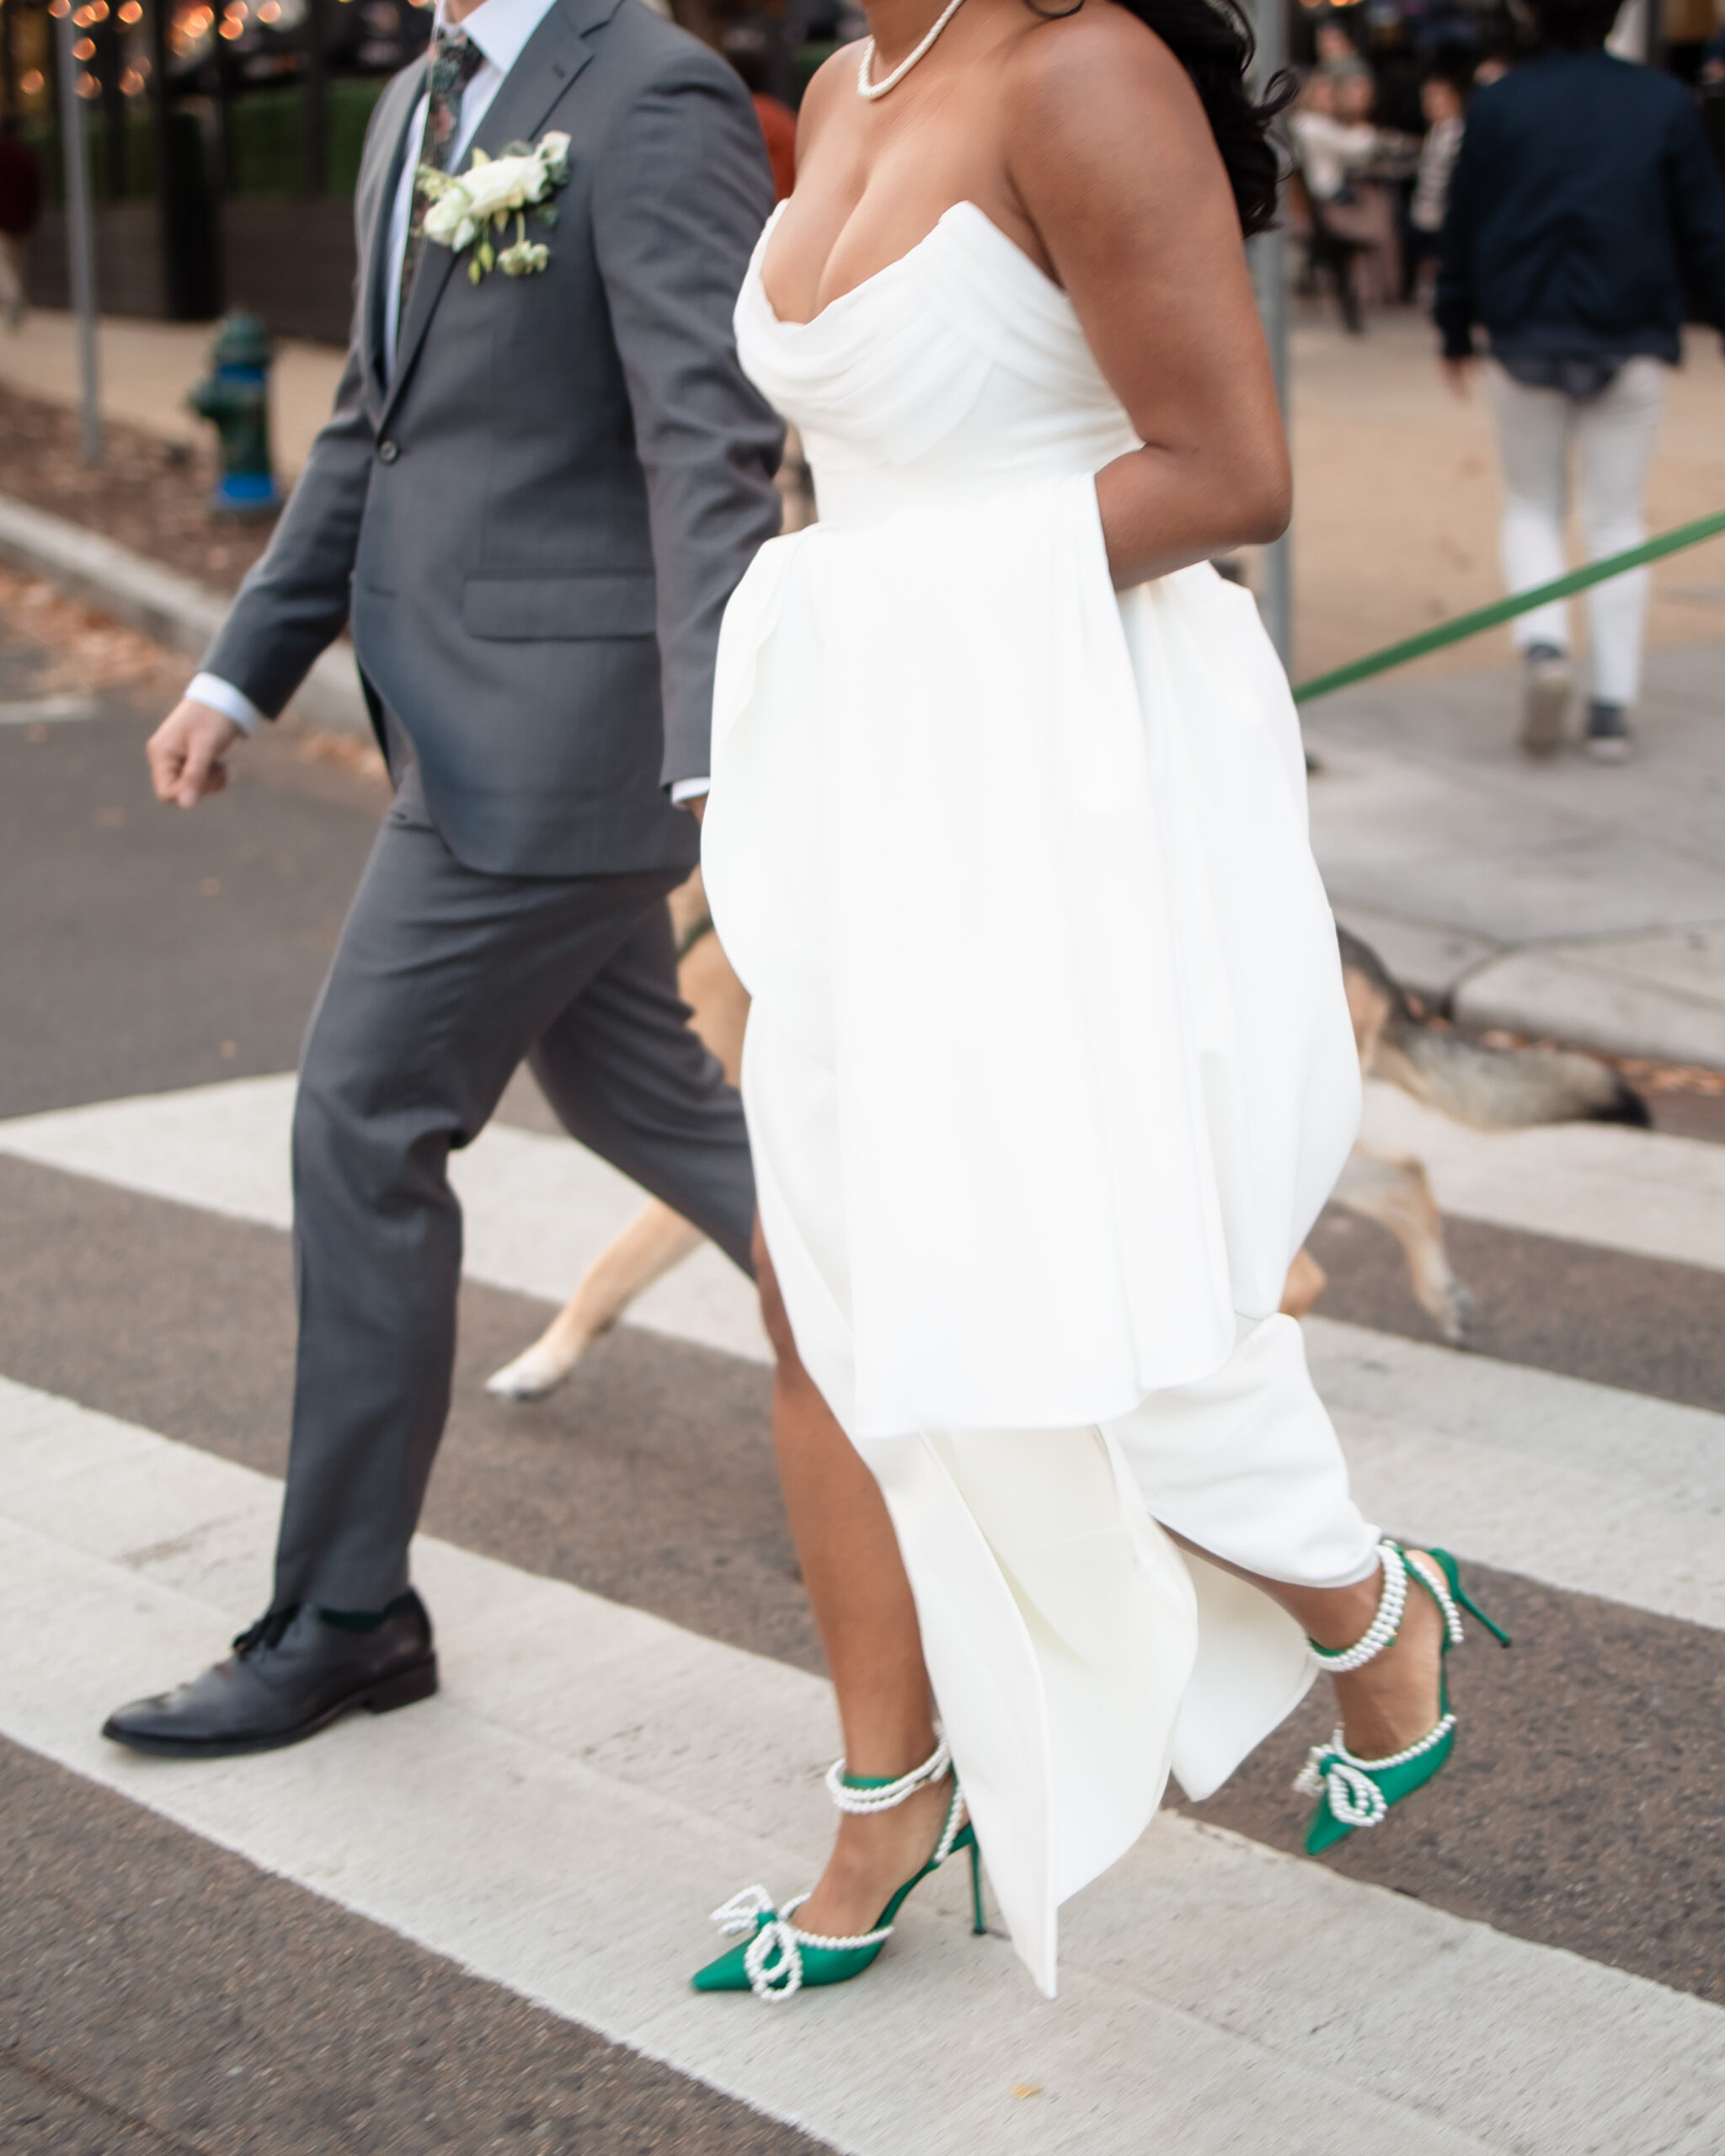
149 494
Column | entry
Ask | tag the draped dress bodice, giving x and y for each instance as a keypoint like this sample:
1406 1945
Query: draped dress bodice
956 372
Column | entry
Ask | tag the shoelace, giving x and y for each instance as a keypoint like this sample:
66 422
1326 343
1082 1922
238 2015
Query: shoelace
268 1631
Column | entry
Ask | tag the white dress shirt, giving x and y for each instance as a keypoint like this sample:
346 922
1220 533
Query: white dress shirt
500 28
1330 149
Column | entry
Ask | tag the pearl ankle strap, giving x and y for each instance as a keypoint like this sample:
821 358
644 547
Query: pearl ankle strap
1392 1599
883 1796
1391 1602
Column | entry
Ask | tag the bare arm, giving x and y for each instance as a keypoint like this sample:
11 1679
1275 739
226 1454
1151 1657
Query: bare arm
1111 155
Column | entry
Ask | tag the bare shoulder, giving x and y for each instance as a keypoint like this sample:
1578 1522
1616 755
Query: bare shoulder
1073 82
827 86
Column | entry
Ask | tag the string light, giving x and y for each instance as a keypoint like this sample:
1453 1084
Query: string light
85 49
33 83
88 87
132 12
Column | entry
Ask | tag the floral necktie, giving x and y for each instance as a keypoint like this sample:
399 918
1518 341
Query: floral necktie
454 62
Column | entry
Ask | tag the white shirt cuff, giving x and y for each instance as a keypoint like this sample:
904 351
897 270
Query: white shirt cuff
221 695
690 789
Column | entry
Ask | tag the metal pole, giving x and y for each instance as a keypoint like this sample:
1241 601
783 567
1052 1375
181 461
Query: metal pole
79 244
1269 270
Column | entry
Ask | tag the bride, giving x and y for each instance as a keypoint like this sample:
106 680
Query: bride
992 737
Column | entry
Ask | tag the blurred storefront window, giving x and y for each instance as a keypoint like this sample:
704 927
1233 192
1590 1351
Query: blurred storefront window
224 141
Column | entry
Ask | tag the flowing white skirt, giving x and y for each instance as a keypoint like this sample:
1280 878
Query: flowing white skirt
1048 1073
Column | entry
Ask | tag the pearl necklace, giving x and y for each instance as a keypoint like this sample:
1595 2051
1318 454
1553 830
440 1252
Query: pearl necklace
865 88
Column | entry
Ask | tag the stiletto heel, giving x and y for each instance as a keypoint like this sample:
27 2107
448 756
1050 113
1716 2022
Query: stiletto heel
979 1915
1471 1606
774 1959
1353 1792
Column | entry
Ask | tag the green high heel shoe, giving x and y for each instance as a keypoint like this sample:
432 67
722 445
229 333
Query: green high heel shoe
1352 1792
774 1959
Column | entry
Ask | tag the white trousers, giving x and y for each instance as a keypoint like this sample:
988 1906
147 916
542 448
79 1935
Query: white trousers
1611 436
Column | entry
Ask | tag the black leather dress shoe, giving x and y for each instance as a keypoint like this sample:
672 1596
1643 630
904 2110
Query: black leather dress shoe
289 1676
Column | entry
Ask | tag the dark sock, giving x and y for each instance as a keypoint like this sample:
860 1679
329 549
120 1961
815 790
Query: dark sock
1537 654
365 1620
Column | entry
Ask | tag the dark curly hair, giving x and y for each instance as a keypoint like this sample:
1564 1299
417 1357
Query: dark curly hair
1213 41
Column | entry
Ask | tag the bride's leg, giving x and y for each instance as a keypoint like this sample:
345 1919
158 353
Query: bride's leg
1394 1699
867 1618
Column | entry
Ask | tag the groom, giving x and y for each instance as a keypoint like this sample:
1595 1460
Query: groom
535 496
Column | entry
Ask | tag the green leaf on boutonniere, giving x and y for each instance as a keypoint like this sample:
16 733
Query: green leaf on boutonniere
486 254
474 273
546 214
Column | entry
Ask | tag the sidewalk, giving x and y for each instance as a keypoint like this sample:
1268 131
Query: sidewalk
1582 901
1567 900
146 369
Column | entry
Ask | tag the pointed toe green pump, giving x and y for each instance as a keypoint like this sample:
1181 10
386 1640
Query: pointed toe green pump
775 1959
1353 1793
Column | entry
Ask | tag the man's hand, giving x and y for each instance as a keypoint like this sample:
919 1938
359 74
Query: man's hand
186 752
696 806
1458 375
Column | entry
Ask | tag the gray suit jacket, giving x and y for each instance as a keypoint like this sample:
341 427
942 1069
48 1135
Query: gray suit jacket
536 521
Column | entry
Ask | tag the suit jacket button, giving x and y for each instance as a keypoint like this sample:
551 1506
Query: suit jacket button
388 451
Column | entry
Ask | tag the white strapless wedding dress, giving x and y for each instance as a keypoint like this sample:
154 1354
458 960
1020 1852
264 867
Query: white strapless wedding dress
1049 1069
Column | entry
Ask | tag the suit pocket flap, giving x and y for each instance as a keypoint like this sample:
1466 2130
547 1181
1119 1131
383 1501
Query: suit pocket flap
558 606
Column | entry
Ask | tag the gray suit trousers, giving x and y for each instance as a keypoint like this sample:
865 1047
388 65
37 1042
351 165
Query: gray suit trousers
443 979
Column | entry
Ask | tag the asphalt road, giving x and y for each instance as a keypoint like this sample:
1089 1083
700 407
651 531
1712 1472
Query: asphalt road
161 1992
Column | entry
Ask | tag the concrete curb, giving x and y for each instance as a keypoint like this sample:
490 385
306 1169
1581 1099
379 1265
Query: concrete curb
175 609
1610 996
1660 994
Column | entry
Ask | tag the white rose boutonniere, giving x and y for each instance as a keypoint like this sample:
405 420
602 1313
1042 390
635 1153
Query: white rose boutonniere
473 208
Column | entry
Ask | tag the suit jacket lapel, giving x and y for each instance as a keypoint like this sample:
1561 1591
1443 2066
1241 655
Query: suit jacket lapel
550 61
376 204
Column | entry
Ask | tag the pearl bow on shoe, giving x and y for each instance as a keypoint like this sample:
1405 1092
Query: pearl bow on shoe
774 1955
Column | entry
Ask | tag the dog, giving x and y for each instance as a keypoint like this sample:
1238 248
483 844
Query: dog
656 1238
1489 1088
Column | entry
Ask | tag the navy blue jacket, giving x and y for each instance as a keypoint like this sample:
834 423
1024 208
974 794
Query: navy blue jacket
1586 214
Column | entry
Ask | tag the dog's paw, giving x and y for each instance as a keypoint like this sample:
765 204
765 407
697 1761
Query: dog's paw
531 1376
1456 1313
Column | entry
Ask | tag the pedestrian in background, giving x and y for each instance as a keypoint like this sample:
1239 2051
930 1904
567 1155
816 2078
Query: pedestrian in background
1441 99
20 206
1336 147
1583 208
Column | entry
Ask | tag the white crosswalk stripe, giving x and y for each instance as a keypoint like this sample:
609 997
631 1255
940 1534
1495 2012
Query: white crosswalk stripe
592 1780
1578 1485
48 711
537 1210
1650 1194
